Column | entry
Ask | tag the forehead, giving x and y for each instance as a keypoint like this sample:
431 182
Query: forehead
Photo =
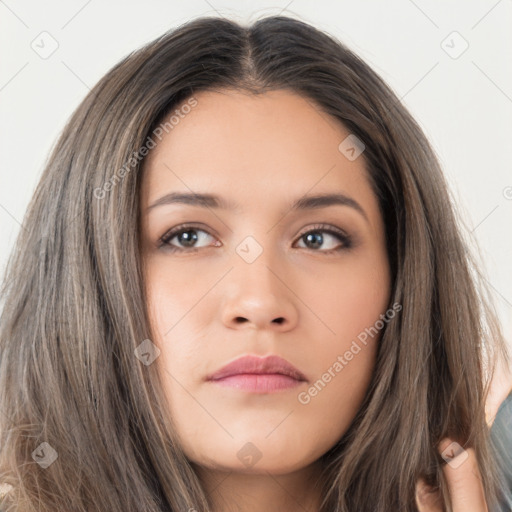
277 145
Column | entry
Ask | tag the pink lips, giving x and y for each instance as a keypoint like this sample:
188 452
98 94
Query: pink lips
259 375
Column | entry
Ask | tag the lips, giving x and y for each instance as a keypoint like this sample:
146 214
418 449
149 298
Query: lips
253 365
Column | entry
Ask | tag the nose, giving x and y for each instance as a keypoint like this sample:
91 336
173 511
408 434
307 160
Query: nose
258 298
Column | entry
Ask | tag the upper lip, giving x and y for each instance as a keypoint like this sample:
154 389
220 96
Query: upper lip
258 365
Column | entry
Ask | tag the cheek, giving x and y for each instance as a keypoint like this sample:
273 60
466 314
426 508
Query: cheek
348 299
328 406
173 294
178 310
352 304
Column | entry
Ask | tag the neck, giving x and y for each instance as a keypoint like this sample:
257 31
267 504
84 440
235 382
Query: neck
262 492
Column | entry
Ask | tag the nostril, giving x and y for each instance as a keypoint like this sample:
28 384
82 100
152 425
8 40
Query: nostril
279 320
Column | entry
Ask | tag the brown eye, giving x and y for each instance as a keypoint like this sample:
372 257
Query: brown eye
186 238
315 238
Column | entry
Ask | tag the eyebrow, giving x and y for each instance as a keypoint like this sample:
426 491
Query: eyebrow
312 202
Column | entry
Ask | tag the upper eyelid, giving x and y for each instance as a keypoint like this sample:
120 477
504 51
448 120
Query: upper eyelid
171 233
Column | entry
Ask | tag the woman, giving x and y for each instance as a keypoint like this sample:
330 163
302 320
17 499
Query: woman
241 286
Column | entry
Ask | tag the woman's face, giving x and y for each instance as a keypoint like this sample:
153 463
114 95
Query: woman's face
250 274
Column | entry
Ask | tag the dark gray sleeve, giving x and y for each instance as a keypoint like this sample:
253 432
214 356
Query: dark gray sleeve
501 437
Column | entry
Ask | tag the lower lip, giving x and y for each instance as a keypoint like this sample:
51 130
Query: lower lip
258 383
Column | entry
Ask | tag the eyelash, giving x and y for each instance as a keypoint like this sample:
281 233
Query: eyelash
323 228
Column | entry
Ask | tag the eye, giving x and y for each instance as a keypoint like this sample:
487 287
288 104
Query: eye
315 238
186 235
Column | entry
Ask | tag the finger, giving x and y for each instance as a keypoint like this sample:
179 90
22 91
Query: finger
463 477
427 498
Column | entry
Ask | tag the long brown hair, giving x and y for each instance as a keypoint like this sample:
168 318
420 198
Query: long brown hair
75 309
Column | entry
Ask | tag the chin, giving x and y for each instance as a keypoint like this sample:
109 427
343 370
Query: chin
255 455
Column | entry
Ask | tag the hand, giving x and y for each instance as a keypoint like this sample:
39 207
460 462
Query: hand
464 485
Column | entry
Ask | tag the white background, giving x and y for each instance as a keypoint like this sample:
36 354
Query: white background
464 104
